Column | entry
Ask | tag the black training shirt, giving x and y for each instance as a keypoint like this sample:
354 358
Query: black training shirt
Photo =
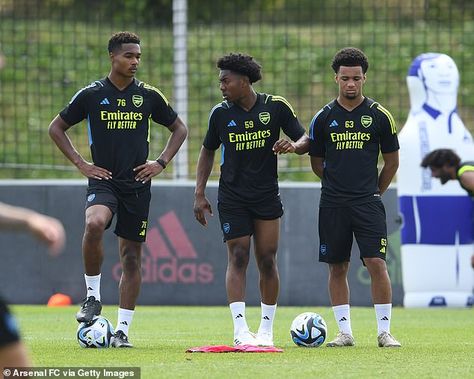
349 142
248 164
118 124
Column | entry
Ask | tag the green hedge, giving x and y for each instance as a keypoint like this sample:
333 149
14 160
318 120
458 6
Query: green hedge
48 61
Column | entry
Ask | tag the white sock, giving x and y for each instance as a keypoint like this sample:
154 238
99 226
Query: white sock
268 315
93 285
342 313
383 312
125 317
237 309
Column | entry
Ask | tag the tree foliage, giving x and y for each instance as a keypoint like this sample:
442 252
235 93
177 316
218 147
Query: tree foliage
159 12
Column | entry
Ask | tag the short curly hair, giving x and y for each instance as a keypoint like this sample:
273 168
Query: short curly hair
242 64
351 57
439 157
117 39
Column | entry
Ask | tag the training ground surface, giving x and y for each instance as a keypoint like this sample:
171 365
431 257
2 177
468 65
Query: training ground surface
436 343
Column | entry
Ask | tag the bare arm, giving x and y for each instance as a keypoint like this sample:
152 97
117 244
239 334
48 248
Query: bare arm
57 132
389 169
179 132
317 164
149 169
47 229
283 146
204 169
14 355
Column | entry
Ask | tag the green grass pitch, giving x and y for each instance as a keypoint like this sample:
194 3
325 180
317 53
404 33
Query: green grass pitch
436 343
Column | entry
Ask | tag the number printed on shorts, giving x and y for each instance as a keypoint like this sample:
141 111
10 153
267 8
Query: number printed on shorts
143 228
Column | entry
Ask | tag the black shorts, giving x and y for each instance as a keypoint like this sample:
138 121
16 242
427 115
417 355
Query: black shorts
131 208
337 226
8 327
237 219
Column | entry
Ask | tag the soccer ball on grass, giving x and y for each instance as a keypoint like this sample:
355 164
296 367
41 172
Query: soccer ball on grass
308 329
95 334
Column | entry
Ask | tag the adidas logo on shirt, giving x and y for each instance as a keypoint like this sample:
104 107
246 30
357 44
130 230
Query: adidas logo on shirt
333 124
232 123
105 101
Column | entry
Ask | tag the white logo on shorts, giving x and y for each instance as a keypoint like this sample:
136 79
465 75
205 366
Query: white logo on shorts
91 197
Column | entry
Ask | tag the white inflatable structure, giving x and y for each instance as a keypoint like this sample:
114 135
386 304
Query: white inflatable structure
437 227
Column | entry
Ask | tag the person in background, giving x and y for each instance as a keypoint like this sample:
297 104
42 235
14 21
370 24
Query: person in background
446 165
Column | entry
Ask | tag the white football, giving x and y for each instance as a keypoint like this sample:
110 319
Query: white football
308 329
95 334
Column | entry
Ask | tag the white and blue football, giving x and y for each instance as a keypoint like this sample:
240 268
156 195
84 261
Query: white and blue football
308 329
95 334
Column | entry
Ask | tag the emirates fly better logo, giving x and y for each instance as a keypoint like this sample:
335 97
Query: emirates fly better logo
169 256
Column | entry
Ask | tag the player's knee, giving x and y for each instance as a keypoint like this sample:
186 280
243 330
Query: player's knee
239 257
267 265
338 269
95 226
376 266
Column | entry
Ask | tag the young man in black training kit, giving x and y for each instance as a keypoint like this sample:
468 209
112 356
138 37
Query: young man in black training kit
118 110
446 165
246 125
345 139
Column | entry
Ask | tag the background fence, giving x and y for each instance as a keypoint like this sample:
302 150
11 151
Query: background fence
52 48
